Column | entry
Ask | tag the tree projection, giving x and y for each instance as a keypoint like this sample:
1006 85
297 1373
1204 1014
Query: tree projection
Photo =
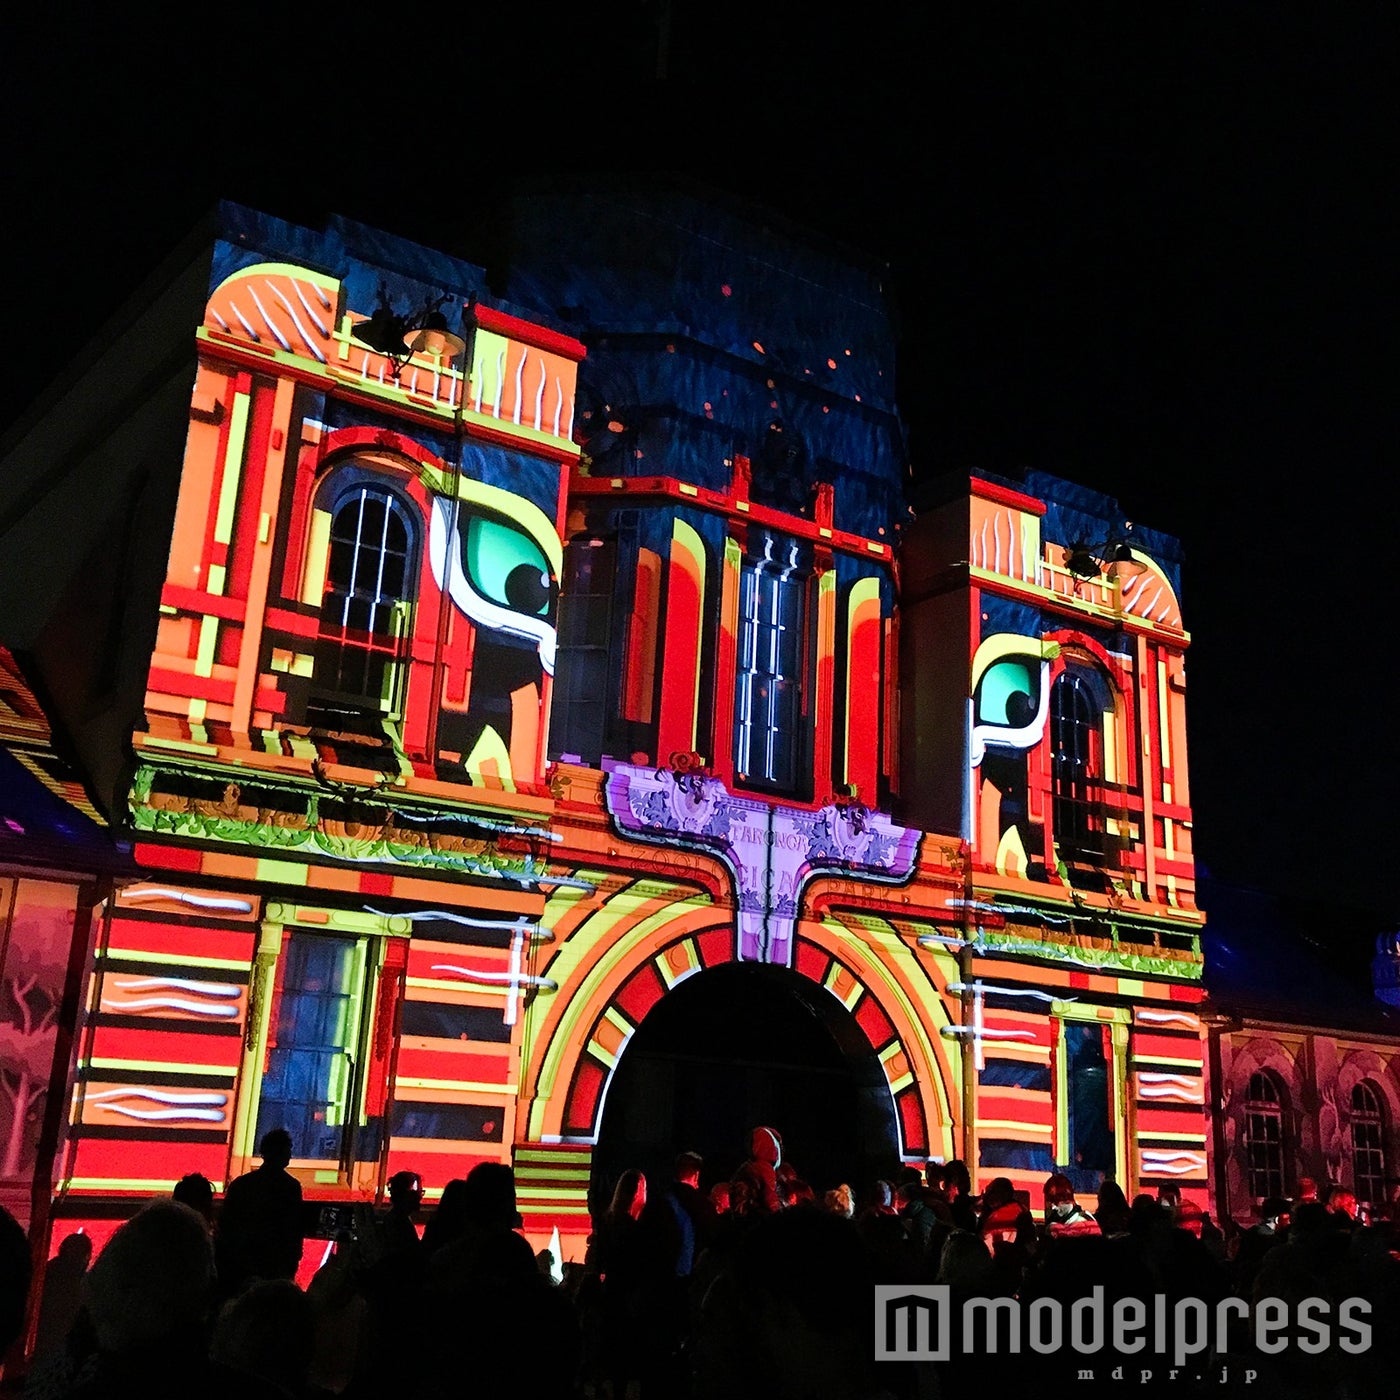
39 928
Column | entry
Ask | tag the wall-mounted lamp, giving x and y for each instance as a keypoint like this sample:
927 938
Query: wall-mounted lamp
1109 558
399 338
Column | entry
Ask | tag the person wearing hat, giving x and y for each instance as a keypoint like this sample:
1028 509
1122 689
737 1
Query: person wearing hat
1064 1216
1008 1231
761 1169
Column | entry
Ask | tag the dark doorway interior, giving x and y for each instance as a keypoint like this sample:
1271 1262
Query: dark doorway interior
739 1046
1088 1055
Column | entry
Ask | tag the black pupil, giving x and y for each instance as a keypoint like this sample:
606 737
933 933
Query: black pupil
1020 711
527 588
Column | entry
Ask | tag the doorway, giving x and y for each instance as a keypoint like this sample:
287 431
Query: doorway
739 1046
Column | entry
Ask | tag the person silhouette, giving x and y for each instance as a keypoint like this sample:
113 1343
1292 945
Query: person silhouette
196 1191
449 1221
62 1294
486 1305
14 1279
142 1330
391 1279
262 1343
395 1228
260 1226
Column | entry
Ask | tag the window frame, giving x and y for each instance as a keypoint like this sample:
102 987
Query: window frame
1117 1021
600 601
362 1149
1274 1108
785 562
338 492
1368 1121
1078 813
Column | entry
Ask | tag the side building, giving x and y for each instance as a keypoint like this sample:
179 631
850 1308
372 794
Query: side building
59 864
506 724
1303 1043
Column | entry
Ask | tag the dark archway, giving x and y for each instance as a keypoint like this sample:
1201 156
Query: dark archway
738 1046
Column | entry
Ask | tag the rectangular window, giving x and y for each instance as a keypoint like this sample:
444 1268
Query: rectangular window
1368 1162
1089 1067
582 689
768 735
309 1084
1367 1143
1090 1092
1263 1134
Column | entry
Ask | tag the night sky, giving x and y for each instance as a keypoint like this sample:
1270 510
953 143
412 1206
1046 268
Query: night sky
1150 249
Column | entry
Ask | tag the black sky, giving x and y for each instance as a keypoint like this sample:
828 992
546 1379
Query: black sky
1152 249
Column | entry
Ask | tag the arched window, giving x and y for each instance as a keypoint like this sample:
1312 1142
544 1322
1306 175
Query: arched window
1077 704
371 578
1367 1143
1263 1135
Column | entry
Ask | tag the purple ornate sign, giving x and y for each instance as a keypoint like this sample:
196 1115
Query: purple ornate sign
772 849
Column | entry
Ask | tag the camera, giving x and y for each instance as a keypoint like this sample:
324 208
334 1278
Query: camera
336 1222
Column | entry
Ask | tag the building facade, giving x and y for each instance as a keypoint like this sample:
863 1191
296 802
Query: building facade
1303 1056
481 709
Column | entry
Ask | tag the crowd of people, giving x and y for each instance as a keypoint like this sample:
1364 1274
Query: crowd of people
758 1285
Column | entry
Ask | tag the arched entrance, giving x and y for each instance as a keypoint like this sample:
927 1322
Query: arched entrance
739 1045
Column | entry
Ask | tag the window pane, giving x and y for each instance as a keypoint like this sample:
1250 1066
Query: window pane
371 518
314 1035
1367 1143
1263 1137
341 560
393 576
370 572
